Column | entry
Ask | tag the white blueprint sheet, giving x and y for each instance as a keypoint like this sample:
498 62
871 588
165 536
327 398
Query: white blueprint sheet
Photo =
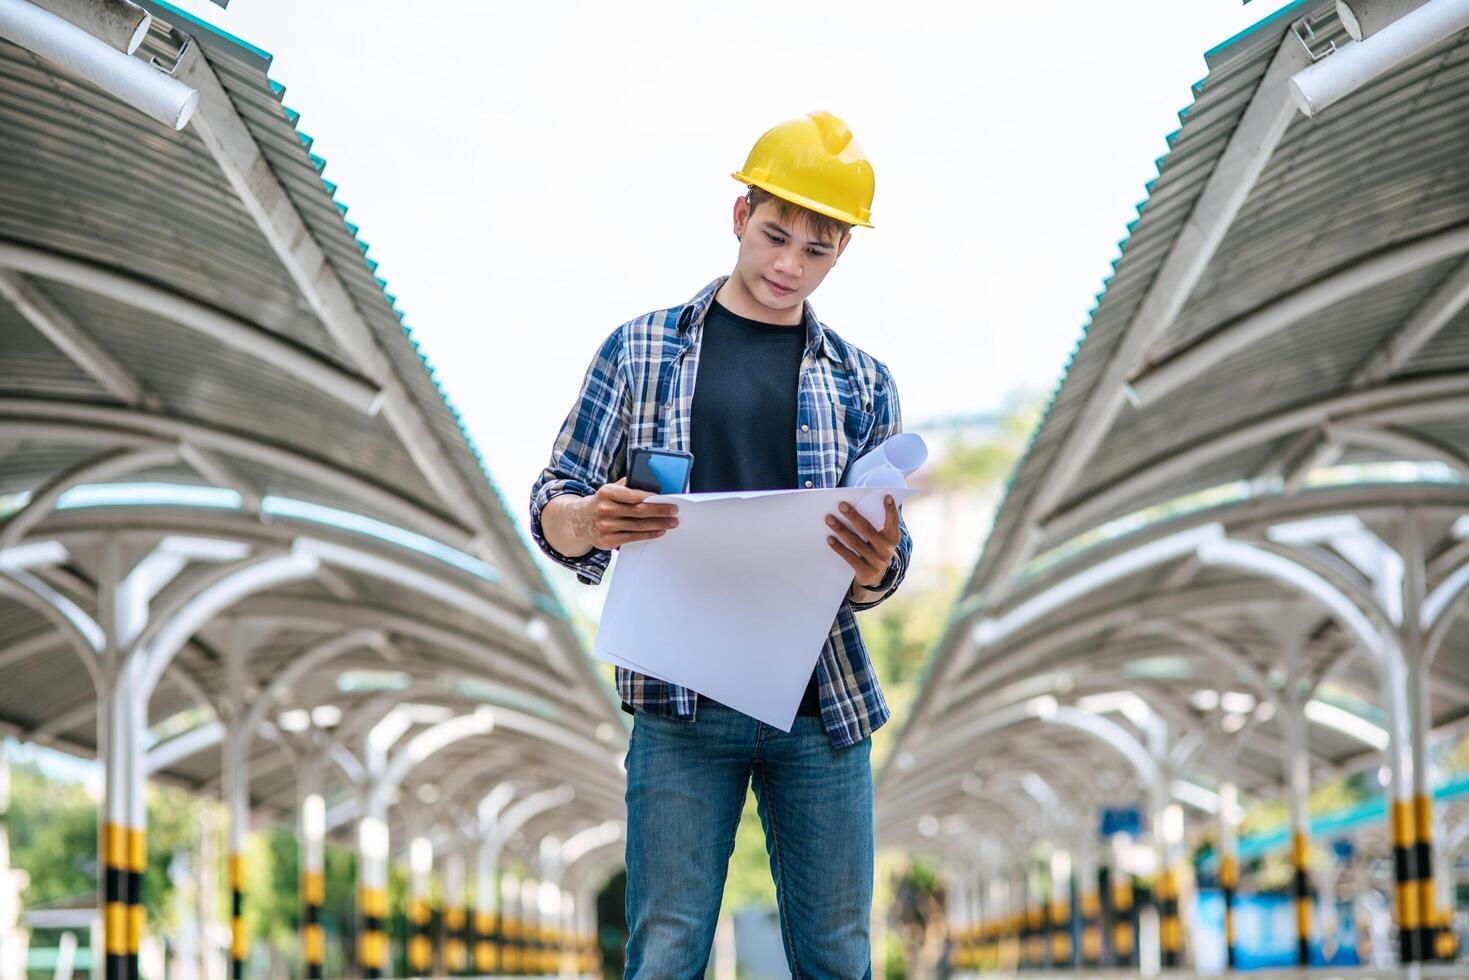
737 601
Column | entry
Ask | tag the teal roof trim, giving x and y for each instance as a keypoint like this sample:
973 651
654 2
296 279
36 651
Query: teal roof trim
1287 12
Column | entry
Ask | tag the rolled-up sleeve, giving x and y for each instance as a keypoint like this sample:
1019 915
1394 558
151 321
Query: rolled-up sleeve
888 423
588 452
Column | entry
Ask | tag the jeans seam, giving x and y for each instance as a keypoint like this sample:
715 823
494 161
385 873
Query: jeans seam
784 894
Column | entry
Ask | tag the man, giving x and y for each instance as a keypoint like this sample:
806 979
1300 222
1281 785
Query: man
780 402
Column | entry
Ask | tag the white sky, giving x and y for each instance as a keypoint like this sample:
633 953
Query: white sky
530 175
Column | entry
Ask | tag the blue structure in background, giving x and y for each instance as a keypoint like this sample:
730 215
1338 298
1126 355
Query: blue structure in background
1265 934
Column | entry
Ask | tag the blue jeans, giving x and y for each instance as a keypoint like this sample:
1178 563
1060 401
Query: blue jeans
686 786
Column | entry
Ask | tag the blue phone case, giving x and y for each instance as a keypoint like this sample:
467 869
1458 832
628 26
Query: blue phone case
659 470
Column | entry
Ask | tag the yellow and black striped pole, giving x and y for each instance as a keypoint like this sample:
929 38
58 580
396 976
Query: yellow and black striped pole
1091 928
1061 945
1423 862
509 924
1170 929
1124 925
1229 863
456 958
137 865
1406 905
116 873
372 941
454 932
420 915
239 938
313 941
312 830
420 946
1301 892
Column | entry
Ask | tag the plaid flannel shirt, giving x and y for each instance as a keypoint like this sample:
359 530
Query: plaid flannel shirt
639 391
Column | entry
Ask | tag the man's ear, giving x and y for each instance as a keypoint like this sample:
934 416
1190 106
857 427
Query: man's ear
741 215
842 245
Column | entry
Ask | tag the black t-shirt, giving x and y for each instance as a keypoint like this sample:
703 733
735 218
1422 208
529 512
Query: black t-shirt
743 425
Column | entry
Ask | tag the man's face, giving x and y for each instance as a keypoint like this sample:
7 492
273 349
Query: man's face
780 262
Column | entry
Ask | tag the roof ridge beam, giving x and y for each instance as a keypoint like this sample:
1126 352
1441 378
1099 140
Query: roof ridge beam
1264 122
234 149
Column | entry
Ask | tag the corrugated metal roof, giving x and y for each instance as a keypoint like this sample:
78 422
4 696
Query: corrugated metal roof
1383 167
83 177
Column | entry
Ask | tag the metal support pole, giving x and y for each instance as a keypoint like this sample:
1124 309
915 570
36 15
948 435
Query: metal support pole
1124 907
1089 901
955 912
1165 896
236 789
1063 949
137 819
455 934
510 934
590 959
420 948
1405 904
533 936
372 885
1415 660
312 830
1298 779
487 952
1229 863
12 949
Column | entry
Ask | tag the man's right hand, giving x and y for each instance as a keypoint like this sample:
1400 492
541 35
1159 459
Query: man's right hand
617 515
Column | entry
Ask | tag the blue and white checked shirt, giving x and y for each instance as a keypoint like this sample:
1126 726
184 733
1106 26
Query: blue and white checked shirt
639 391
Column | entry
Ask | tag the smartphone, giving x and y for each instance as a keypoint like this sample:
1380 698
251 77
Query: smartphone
659 470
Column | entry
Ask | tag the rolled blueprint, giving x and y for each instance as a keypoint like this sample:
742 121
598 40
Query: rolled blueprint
889 464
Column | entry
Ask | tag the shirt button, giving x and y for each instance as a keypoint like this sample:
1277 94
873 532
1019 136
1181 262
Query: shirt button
805 428
808 484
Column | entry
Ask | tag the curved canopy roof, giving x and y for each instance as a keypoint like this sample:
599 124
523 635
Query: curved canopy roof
202 374
1269 398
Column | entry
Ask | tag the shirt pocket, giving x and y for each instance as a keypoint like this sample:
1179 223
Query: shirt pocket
852 427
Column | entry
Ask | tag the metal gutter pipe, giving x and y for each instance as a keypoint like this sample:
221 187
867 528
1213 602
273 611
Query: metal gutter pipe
122 24
1351 66
129 79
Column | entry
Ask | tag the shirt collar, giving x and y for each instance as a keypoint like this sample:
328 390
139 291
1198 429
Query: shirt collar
818 338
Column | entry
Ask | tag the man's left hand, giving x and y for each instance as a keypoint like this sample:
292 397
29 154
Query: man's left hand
867 549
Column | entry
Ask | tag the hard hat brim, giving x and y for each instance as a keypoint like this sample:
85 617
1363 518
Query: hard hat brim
805 202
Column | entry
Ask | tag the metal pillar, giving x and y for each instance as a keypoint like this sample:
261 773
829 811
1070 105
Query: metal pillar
420 947
122 831
510 923
1298 779
1089 904
236 789
1416 662
956 914
372 886
455 935
12 949
589 958
1165 885
1124 915
312 831
1063 949
1229 863
487 951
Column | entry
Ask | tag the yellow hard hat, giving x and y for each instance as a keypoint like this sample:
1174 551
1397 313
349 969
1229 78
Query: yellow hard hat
814 162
